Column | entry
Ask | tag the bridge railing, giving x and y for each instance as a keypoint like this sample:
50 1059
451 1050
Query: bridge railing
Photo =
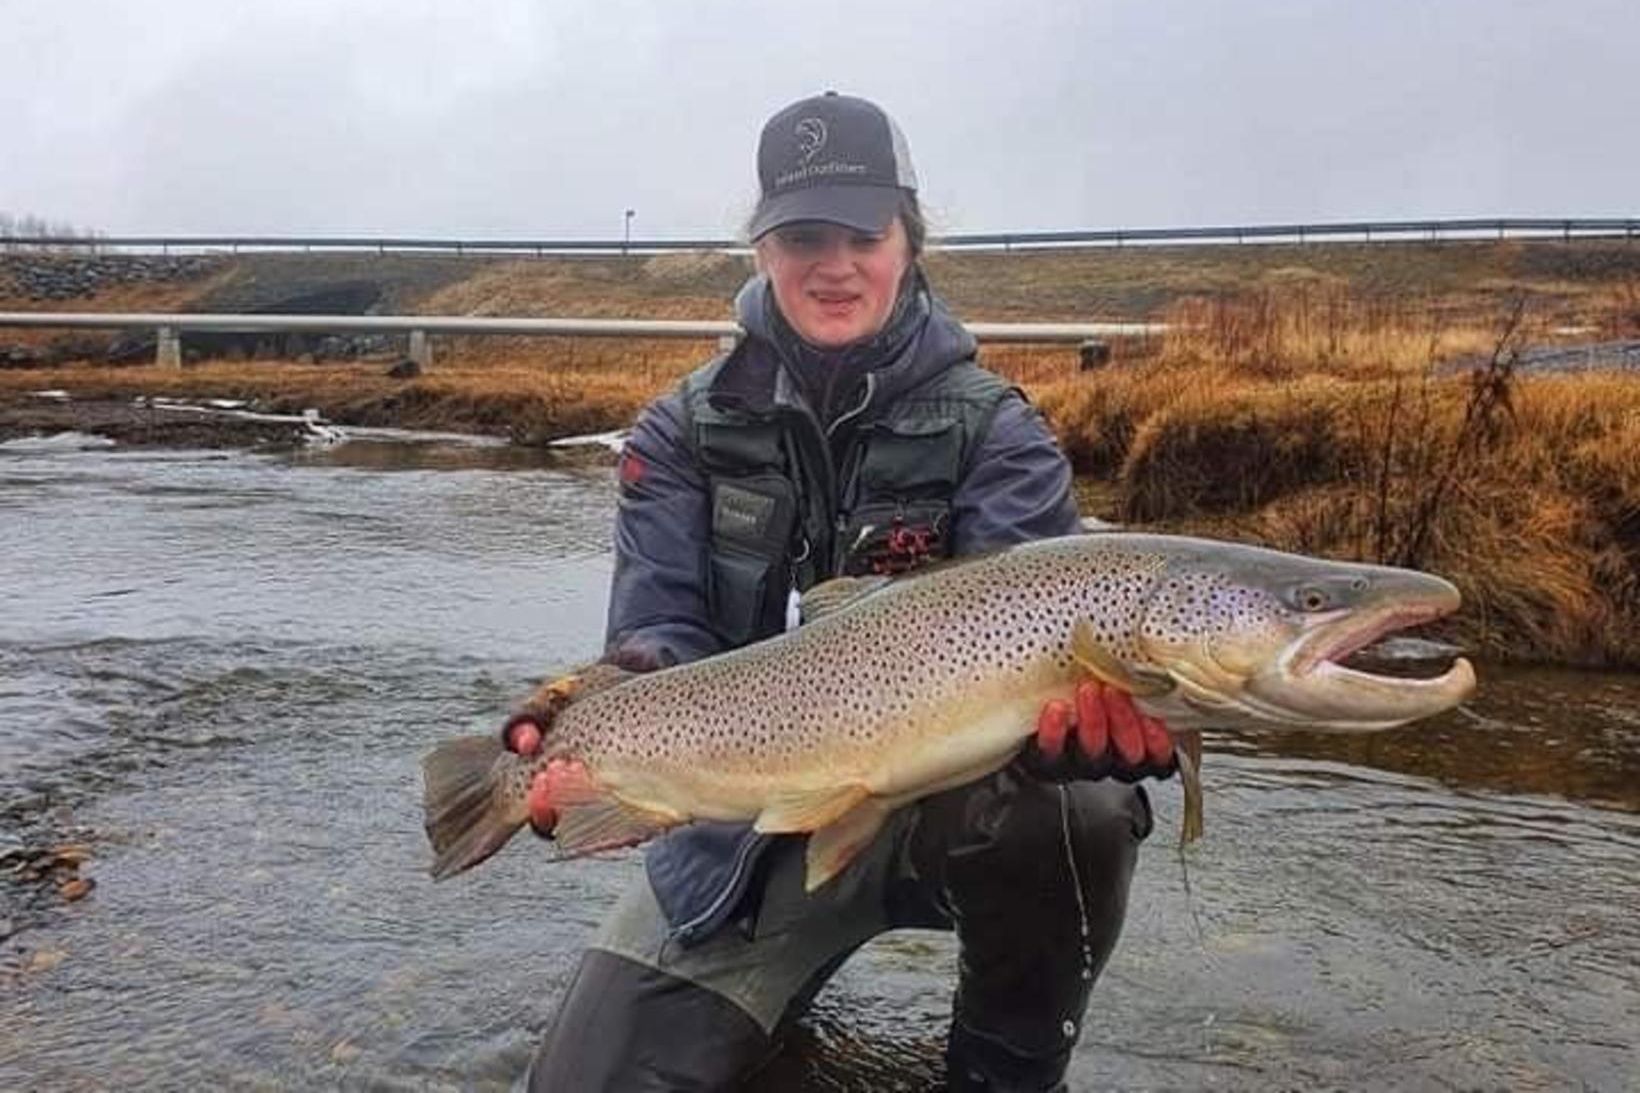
418 328
1346 231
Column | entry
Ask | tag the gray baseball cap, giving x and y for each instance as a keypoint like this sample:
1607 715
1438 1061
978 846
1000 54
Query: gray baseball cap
834 158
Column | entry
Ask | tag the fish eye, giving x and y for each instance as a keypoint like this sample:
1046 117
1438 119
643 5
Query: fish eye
1312 598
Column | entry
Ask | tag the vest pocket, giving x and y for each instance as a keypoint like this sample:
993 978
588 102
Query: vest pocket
888 537
752 521
754 512
737 590
912 458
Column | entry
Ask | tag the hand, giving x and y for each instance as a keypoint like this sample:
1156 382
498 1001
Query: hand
525 731
1101 735
523 734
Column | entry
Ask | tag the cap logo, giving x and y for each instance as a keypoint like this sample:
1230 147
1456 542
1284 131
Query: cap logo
811 137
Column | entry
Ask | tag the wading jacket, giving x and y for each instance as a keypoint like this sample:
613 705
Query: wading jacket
733 495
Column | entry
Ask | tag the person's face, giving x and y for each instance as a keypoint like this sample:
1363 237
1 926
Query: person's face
834 285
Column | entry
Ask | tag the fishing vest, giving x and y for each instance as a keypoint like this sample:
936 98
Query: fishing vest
785 516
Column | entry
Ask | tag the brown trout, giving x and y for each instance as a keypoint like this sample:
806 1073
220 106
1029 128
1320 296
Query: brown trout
902 687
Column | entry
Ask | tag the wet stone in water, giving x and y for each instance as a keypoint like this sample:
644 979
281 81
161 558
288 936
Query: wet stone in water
76 889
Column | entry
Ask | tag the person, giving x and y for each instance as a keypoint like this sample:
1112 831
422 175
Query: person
851 431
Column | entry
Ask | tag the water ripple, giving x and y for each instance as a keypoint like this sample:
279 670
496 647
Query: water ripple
221 673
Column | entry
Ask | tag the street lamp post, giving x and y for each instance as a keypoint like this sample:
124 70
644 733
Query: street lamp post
626 235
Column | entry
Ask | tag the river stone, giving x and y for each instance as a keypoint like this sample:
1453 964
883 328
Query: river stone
76 889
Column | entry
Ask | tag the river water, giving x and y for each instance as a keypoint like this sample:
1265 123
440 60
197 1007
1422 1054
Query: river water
218 671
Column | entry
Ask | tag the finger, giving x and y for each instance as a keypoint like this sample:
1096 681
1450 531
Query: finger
1052 726
1092 724
1127 738
543 817
523 736
1158 743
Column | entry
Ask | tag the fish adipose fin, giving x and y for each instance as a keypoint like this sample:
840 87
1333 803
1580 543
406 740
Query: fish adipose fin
468 816
832 847
586 827
1139 680
808 810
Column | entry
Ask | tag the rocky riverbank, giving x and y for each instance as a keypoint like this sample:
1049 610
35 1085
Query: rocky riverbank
140 422
55 277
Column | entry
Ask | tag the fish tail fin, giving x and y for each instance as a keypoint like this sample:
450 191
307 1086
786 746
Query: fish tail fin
469 815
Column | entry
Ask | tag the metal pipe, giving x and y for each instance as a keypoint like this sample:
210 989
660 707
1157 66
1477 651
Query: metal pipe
469 324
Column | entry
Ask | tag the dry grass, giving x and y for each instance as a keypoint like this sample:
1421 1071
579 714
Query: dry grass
545 389
1338 429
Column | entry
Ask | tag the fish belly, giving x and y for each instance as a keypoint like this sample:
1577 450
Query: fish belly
970 745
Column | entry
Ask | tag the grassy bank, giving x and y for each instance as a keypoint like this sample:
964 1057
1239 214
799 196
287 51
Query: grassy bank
1408 441
1367 403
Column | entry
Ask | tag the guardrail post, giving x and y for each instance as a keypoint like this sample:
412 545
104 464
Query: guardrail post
1093 354
421 349
168 348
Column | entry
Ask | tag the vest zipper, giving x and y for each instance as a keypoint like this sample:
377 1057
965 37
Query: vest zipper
871 386
750 842
832 500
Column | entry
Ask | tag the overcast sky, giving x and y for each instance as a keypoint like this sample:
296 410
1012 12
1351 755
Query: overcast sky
549 117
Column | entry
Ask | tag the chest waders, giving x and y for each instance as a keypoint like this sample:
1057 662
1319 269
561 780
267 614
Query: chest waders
789 512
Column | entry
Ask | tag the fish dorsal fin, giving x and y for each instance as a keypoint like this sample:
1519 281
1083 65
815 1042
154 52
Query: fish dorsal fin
832 596
808 809
839 592
1139 680
832 847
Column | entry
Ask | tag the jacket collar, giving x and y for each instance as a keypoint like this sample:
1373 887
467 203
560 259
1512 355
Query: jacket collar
761 375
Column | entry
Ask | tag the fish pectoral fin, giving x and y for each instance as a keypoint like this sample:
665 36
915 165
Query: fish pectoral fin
1139 680
831 596
586 827
808 810
832 847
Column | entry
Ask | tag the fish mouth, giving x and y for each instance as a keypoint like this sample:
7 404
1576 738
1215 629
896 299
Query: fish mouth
1336 642
1312 683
